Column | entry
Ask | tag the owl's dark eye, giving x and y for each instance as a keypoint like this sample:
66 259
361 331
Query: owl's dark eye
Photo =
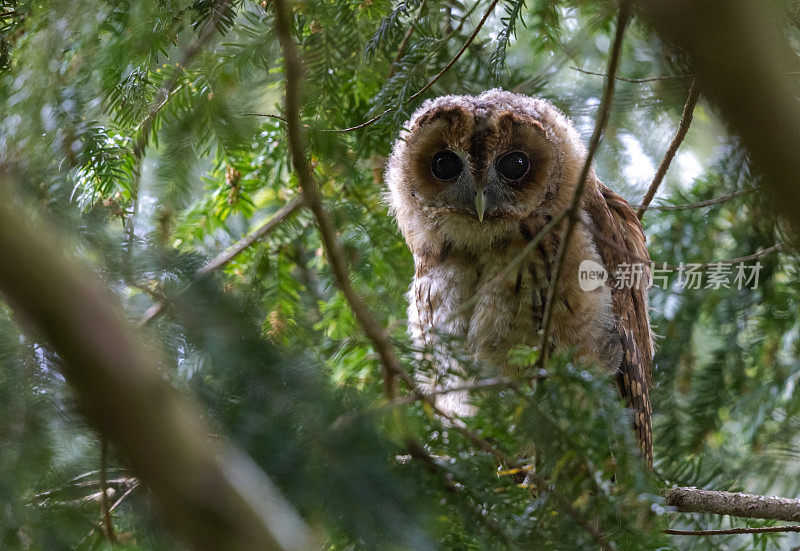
446 165
513 166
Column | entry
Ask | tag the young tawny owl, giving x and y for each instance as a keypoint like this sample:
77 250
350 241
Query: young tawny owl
471 181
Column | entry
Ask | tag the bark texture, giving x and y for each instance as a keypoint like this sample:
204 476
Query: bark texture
695 500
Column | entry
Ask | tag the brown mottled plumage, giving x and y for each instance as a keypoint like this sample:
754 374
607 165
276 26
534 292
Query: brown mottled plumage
471 180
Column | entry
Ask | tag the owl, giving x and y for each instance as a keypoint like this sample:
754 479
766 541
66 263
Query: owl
471 180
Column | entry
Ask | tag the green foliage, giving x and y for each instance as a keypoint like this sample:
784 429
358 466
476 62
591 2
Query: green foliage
269 345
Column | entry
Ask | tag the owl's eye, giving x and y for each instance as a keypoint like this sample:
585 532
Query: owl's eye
446 165
513 166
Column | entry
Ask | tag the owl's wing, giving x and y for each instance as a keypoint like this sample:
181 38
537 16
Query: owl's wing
619 230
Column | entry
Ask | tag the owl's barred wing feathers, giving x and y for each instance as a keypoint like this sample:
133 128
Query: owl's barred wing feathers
615 220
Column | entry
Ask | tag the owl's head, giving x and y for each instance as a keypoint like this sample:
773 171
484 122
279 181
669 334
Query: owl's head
468 169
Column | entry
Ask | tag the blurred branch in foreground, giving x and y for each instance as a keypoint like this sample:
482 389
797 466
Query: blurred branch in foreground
214 497
739 55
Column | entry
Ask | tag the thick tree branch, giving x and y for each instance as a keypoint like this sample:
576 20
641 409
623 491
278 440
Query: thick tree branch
739 59
371 327
573 213
214 497
696 500
683 128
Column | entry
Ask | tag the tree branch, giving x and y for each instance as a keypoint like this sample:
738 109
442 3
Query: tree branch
225 257
683 128
421 91
697 266
573 213
333 249
633 80
213 496
108 524
696 500
146 126
431 82
168 87
731 531
701 204
418 452
594 531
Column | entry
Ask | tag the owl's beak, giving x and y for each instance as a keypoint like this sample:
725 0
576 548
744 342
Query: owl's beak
480 204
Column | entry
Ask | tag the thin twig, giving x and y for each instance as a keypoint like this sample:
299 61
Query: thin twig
633 80
146 126
374 331
404 42
731 531
418 452
695 266
595 532
166 90
700 204
225 257
683 128
268 115
111 509
573 213
586 525
431 82
480 384
410 99
658 78
749 258
108 524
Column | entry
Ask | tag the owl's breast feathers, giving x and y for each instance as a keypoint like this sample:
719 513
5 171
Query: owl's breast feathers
616 223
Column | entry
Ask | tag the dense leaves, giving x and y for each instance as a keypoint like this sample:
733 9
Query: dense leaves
139 130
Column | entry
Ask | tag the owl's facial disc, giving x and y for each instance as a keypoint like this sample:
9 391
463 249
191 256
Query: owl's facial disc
491 165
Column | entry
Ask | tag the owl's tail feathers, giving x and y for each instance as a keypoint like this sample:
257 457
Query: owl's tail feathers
635 388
